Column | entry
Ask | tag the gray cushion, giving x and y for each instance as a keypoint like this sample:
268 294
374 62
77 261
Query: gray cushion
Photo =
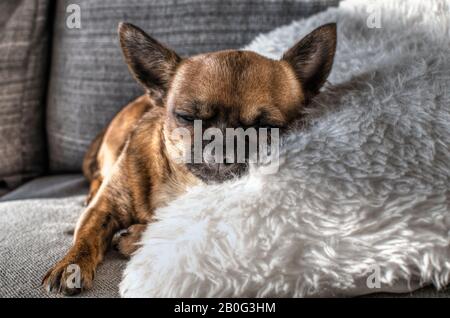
35 233
89 80
23 65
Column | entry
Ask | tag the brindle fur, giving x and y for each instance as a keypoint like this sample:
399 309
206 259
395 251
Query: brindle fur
130 164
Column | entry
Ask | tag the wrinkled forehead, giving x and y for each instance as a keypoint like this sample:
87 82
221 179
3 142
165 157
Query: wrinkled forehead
235 79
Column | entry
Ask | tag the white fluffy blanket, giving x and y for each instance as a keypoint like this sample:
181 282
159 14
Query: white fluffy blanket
361 202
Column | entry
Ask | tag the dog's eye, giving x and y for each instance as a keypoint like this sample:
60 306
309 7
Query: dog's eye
184 118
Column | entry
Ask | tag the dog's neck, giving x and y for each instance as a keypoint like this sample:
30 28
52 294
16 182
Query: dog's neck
175 178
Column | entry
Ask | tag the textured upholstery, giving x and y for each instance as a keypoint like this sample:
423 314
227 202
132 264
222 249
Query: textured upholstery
36 224
24 27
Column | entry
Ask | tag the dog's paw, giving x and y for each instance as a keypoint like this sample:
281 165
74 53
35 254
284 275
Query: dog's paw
69 277
126 241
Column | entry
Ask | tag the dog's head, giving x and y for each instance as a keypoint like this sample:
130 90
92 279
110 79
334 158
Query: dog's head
228 89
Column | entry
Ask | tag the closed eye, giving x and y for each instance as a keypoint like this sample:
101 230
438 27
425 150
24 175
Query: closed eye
265 122
265 119
270 126
184 118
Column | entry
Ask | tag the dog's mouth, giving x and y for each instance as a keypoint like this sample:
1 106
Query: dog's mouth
217 172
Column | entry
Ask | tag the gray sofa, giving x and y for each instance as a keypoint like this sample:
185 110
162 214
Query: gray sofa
59 86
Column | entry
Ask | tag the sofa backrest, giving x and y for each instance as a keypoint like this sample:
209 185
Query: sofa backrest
24 35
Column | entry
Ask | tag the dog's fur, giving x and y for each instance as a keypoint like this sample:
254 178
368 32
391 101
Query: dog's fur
130 165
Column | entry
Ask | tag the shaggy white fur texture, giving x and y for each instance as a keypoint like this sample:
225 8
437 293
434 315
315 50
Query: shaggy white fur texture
363 191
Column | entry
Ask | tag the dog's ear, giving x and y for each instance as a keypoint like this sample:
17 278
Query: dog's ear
312 58
151 63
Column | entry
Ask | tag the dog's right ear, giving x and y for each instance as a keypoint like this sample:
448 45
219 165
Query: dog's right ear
151 63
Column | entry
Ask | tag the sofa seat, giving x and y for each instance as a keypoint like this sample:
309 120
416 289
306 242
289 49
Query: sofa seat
36 225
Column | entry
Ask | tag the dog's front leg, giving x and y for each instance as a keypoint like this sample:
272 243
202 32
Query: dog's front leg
95 228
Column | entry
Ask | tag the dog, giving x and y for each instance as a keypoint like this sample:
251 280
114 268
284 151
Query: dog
130 164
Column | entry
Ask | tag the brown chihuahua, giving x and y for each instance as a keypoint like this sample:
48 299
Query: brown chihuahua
130 164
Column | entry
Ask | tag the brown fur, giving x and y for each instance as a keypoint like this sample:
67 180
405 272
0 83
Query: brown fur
130 164
107 146
126 241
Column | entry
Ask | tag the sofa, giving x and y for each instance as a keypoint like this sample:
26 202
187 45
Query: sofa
60 84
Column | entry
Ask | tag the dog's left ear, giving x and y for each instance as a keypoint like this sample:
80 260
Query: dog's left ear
151 63
312 58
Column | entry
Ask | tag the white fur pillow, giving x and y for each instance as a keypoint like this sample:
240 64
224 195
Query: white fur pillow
361 197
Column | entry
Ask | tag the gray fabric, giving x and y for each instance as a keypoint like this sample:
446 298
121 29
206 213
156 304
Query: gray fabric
24 31
35 233
23 66
58 186
89 80
426 292
3 190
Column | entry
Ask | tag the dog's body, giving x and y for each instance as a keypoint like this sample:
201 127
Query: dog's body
143 167
104 152
131 164
107 146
